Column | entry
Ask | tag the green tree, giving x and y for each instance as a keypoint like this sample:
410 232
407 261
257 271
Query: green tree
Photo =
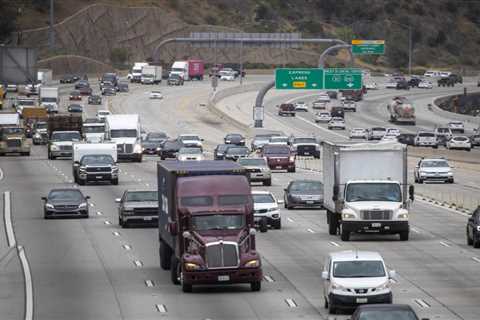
119 56
8 20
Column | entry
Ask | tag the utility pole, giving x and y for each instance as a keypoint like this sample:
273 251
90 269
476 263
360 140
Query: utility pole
241 62
410 50
51 34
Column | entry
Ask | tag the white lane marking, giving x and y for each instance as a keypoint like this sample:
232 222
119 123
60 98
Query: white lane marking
476 259
445 244
127 247
291 303
116 233
290 219
28 283
147 184
149 283
310 230
7 216
107 222
422 303
99 213
1 174
415 230
139 180
161 308
333 243
393 281
92 205
268 278
138 263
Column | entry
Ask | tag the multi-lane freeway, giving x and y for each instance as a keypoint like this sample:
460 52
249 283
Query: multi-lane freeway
93 269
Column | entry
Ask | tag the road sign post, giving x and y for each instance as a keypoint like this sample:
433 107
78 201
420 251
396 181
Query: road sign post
368 47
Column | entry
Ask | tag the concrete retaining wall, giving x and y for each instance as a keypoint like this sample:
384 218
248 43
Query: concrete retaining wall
453 115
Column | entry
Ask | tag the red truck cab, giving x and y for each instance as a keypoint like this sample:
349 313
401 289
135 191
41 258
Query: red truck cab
279 157
206 224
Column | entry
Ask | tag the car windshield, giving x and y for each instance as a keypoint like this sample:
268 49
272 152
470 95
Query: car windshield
239 150
66 136
379 129
156 136
304 140
276 150
373 192
456 123
338 120
263 198
103 113
13 130
123 133
196 138
95 159
358 269
196 201
49 99
190 151
93 129
387 314
26 102
435 164
260 162
65 195
358 130
75 93
426 134
41 125
460 138
171 145
233 136
217 222
324 114
443 130
306 186
134 196
223 147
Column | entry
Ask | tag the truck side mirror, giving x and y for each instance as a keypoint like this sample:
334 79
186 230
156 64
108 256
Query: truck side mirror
44 198
411 192
187 235
335 193
118 200
325 275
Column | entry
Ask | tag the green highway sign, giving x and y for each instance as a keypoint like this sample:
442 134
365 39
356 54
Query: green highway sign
315 78
299 78
368 46
343 78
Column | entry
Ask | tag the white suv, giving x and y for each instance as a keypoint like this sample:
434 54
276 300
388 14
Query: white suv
352 278
266 210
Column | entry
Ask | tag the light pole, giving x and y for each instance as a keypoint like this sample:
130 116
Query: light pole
51 38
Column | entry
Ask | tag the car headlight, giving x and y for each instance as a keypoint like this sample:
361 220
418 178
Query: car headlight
423 173
450 173
478 228
37 135
115 169
403 215
347 216
158 149
127 211
190 266
339 287
54 147
137 148
272 209
255 263
49 206
383 286
82 205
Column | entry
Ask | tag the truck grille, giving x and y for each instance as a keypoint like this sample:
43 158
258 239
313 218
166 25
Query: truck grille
254 170
377 215
305 149
65 148
98 169
222 255
125 148
12 143
145 211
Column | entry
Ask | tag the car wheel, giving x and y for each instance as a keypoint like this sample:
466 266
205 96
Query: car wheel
81 182
344 234
278 224
476 241
332 223
331 309
267 182
115 182
255 286
187 287
165 256
404 235
469 240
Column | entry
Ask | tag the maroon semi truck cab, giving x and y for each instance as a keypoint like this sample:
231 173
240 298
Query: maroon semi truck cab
279 157
206 224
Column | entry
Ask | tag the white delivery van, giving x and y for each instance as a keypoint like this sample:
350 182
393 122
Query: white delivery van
125 131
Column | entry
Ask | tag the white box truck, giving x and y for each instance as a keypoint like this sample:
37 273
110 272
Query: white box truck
365 188
151 75
49 99
136 74
95 162
125 131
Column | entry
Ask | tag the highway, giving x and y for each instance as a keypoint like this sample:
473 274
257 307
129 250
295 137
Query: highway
93 269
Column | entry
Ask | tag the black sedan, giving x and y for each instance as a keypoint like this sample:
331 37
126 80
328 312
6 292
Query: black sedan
75 108
384 311
169 149
95 99
219 151
473 229
122 87
236 152
304 194
234 138
152 144
407 138
64 203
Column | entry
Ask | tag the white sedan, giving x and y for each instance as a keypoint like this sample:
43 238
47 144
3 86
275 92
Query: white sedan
227 77
459 142
371 86
156 95
323 117
336 123
425 85
301 106
391 85
358 133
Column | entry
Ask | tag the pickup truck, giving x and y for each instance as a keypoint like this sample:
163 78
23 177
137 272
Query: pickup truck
286 109
279 157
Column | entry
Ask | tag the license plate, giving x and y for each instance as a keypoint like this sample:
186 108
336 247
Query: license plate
376 225
307 153
310 202
223 278
278 167
98 177
147 218
362 300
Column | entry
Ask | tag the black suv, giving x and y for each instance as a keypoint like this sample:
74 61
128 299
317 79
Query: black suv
473 229
403 85
384 311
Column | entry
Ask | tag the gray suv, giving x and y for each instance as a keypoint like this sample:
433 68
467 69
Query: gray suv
138 206
258 170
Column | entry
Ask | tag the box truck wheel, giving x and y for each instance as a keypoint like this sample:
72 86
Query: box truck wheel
344 234
186 287
175 270
114 181
256 285
332 223
165 256
404 236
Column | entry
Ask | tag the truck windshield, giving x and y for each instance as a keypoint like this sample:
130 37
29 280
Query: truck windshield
95 159
26 103
218 222
142 196
276 150
94 129
41 125
304 140
49 99
178 69
373 192
358 269
66 136
123 133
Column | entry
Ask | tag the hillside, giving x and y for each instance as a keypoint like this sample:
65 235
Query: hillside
444 32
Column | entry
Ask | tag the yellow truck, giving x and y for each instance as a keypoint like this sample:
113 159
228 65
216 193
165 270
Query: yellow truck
3 94
12 135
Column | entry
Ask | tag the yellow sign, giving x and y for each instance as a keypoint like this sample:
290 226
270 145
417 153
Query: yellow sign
355 41
299 84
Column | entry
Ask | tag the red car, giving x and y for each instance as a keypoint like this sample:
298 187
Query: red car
75 95
279 157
